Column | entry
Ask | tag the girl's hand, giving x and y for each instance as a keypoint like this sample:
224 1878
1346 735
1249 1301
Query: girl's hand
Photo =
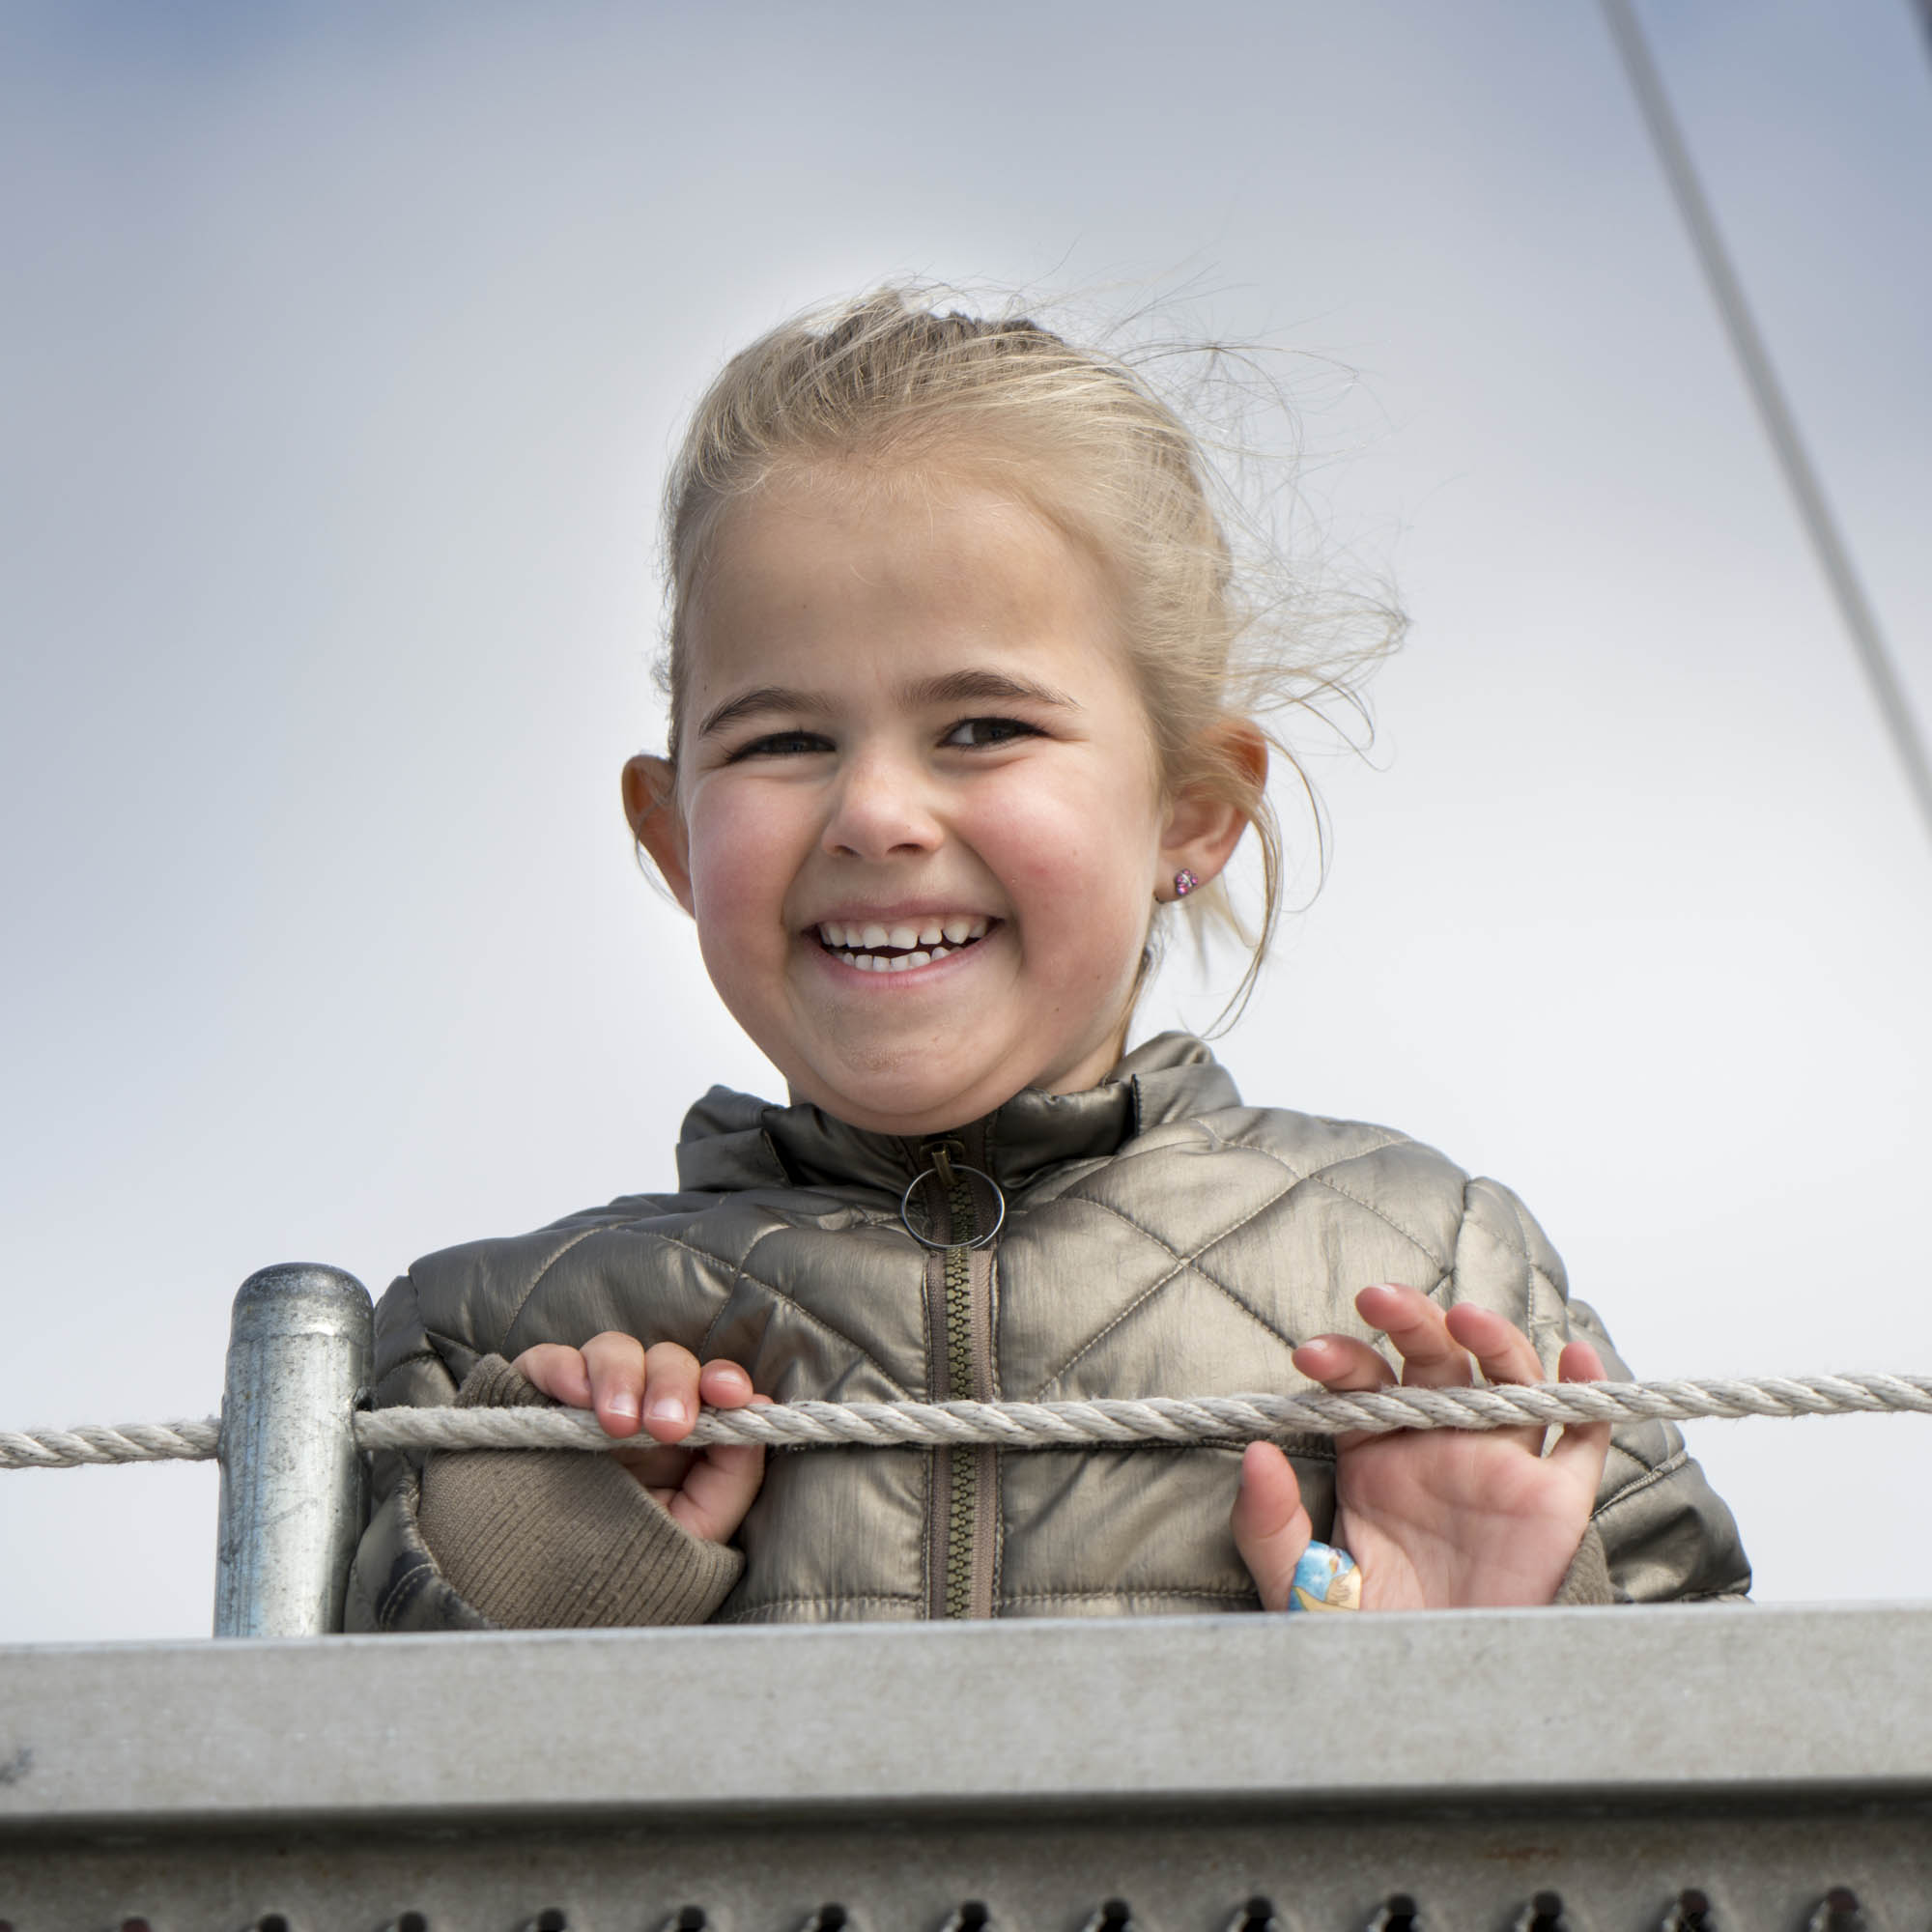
708 1490
1436 1519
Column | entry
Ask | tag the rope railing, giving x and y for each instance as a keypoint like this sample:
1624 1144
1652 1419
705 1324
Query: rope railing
1177 1420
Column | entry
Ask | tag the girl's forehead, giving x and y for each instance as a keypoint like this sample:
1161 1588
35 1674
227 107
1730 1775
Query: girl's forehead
822 560
925 513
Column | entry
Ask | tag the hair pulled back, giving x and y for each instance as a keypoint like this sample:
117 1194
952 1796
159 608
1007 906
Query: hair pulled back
890 383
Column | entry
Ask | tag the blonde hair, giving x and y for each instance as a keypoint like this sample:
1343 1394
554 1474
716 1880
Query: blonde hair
1083 437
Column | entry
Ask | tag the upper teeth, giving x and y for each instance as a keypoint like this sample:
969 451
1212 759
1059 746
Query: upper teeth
914 945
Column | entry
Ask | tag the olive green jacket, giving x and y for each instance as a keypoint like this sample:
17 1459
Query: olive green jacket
1160 1238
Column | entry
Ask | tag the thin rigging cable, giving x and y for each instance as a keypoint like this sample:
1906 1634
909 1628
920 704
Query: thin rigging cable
1773 410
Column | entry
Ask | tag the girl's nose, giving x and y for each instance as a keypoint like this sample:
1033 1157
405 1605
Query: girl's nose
880 809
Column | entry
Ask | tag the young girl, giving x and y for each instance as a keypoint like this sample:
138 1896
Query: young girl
959 676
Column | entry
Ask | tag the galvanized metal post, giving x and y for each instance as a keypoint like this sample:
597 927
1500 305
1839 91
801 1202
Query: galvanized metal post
293 1482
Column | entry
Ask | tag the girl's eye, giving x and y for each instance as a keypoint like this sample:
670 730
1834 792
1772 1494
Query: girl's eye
782 745
988 731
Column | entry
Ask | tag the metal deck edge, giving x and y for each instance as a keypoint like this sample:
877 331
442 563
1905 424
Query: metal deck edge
629 1726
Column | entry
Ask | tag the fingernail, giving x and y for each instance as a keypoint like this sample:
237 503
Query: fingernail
623 1403
667 1408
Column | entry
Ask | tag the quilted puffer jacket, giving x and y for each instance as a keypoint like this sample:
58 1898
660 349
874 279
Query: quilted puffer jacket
1160 1238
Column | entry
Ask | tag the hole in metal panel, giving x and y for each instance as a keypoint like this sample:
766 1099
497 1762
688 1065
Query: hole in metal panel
1115 1914
1256 1916
970 1916
1398 1913
687 1919
1543 1913
1690 1911
272 1921
827 1919
1837 1911
551 1919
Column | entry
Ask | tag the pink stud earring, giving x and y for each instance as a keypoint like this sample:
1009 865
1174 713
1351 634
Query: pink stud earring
1184 883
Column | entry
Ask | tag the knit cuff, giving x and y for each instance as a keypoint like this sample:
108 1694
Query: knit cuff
1587 1580
560 1539
492 1383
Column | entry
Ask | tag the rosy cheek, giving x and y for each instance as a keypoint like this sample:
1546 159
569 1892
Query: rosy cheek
722 869
1040 836
745 854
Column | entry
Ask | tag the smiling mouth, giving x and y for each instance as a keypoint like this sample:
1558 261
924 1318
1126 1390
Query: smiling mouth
873 948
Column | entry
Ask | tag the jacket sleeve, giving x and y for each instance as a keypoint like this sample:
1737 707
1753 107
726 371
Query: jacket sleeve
528 1539
1667 1536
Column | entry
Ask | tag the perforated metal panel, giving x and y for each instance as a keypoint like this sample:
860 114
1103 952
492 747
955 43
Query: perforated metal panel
1041 1874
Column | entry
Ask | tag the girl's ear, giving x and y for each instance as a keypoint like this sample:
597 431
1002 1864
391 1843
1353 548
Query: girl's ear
1204 826
650 804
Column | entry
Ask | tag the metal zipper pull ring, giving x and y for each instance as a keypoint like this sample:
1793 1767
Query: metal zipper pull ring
952 1170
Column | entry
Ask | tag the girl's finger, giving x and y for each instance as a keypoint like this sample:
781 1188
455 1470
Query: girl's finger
615 1362
1430 1357
1271 1527
1502 1350
1343 1365
671 1391
723 1384
1582 1446
1579 1362
722 1485
558 1371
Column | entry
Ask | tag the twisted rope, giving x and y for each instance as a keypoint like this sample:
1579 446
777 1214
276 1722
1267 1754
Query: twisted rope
1041 1425
97 1442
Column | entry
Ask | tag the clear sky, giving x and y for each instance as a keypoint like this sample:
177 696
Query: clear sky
342 350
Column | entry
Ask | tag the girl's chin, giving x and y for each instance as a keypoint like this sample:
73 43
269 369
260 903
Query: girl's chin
906 1093
873 1109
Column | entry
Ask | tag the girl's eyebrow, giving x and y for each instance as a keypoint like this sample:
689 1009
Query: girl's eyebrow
762 699
957 687
966 687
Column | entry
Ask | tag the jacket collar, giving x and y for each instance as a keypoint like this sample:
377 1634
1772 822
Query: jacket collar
733 1141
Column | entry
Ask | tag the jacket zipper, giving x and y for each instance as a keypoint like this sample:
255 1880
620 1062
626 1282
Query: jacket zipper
965 1498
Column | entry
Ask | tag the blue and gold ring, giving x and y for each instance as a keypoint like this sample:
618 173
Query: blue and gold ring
1325 1579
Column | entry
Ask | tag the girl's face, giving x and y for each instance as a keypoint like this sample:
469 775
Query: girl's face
916 817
